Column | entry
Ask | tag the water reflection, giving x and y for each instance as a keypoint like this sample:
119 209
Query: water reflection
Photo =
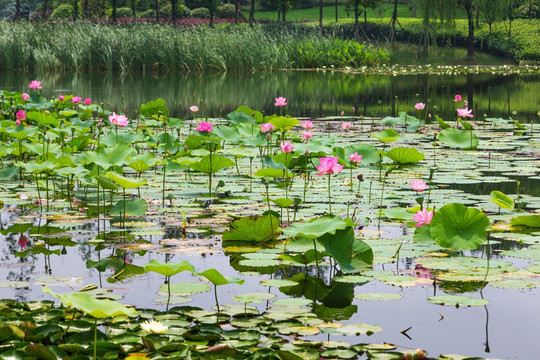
309 94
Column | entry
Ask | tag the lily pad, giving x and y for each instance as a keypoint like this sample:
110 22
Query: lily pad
457 300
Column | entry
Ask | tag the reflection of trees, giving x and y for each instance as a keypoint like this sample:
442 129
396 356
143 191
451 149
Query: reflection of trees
309 93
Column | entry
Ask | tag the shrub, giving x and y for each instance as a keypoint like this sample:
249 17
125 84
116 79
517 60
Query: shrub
62 12
203 13
122 12
226 11
183 12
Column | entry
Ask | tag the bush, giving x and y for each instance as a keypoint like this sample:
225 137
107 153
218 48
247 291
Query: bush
122 12
62 12
226 11
184 12
202 13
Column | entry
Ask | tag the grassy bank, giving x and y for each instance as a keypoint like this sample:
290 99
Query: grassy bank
70 46
523 46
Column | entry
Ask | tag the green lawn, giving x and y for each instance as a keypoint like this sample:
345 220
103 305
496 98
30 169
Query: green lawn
312 14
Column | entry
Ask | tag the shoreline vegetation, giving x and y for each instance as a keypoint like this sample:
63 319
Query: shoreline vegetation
82 46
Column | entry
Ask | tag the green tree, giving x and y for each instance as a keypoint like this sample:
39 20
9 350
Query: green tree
468 6
212 6
491 11
356 4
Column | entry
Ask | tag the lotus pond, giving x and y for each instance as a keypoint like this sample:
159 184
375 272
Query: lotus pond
266 236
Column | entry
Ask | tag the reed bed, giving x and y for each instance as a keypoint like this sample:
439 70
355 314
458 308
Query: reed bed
82 45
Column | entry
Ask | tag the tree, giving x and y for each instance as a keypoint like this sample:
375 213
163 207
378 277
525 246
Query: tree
133 9
75 9
114 6
491 10
174 11
468 6
509 13
212 6
282 6
393 27
252 14
17 9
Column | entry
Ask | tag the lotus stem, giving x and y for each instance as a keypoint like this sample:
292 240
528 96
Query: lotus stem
163 184
329 196
95 338
382 197
217 303
168 292
316 260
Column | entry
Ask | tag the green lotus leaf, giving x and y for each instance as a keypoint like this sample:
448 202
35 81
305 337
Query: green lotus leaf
282 202
216 278
351 254
135 208
386 136
317 227
109 156
255 297
184 288
228 133
142 162
283 123
457 300
156 107
125 182
106 183
9 172
456 138
168 269
238 117
458 227
212 163
378 296
502 200
254 229
405 155
43 119
98 309
527 220
273 173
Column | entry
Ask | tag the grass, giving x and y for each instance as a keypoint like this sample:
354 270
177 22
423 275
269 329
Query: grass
157 46
312 14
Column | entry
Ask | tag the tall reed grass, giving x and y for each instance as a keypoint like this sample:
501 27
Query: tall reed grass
81 45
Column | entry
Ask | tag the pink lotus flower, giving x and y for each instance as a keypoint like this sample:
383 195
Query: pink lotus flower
423 217
280 101
353 109
76 100
307 136
61 98
464 113
87 101
308 124
23 241
342 112
118 120
465 103
17 122
346 126
194 108
34 84
205 126
286 147
25 97
419 106
267 127
355 158
21 116
457 98
418 185
329 165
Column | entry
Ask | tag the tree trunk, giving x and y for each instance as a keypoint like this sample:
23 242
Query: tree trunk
133 12
174 14
283 13
336 11
75 10
278 15
489 27
470 41
365 15
211 19
320 15
114 11
393 29
510 29
252 14
17 10
477 9
157 10
46 8
356 23
236 11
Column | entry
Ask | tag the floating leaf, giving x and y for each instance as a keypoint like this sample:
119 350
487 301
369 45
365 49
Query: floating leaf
316 227
387 135
168 269
527 220
185 288
254 229
135 208
458 227
212 163
216 278
457 300
351 254
378 296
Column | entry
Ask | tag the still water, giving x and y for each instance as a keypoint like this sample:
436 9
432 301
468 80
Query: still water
309 93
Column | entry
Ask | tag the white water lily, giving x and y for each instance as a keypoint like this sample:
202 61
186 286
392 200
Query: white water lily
154 327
